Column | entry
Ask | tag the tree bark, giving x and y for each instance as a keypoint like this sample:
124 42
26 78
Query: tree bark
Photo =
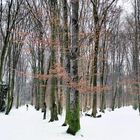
74 117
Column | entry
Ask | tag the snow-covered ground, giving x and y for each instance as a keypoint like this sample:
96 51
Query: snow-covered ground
122 124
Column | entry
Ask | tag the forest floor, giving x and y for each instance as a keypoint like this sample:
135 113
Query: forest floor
121 124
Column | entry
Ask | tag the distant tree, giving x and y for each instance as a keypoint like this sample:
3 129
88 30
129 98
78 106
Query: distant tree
100 14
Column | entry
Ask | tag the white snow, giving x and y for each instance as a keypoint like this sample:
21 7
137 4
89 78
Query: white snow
122 124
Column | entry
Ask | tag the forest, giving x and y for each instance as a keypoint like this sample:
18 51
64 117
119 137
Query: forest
69 56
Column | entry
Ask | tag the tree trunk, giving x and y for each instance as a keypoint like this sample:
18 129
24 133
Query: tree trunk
74 117
54 36
66 57
95 69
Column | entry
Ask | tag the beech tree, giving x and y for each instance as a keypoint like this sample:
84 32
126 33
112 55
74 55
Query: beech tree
74 118
100 13
53 5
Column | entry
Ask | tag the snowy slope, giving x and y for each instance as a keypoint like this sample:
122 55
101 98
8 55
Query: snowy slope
122 124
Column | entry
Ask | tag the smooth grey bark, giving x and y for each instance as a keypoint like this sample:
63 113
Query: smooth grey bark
66 56
53 5
74 117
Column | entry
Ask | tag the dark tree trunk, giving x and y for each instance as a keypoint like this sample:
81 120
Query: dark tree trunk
74 117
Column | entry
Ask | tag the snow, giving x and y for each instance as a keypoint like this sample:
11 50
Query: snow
121 124
126 6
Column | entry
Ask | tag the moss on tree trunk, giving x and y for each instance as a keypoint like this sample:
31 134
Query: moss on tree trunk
73 114
53 107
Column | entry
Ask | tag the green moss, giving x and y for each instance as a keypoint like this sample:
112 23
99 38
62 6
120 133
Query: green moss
73 119
53 104
135 106
74 122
